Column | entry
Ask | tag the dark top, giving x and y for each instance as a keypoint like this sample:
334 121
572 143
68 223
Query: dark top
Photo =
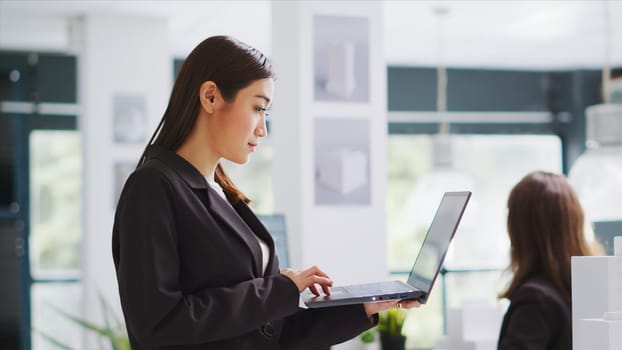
189 270
538 318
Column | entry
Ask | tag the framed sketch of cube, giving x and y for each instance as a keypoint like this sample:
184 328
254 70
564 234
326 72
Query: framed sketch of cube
122 170
342 161
341 58
129 119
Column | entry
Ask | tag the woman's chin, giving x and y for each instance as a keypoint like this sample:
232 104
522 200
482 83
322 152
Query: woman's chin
241 160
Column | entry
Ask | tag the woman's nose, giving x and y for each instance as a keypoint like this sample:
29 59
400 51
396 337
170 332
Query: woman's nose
262 130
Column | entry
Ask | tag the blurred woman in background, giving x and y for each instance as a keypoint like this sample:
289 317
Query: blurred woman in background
546 228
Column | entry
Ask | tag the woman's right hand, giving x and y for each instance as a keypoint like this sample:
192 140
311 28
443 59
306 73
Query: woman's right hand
309 278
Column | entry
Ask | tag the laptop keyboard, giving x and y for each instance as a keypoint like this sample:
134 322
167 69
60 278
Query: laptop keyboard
378 288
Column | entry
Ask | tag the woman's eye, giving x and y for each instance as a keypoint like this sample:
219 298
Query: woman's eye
262 110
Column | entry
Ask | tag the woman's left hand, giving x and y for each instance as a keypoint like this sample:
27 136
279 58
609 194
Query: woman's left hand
373 308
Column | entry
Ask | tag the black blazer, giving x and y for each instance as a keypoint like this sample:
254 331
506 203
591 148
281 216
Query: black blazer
538 319
189 270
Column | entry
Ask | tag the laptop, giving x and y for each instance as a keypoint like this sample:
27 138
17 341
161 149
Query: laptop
424 271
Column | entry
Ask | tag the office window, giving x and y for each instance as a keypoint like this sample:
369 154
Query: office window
487 165
55 235
55 200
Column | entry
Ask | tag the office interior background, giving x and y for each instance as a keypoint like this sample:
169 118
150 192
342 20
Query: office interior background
414 98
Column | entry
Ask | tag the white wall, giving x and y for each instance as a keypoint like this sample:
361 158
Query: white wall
346 241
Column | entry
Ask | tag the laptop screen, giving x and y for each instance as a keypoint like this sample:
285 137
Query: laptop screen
436 242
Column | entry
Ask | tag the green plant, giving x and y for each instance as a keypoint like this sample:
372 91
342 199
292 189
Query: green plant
390 322
114 333
368 336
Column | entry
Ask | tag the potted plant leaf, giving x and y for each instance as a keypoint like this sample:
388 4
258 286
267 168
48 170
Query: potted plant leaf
369 340
390 325
115 333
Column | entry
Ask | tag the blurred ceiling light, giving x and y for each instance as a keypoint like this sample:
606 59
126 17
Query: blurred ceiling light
443 176
597 174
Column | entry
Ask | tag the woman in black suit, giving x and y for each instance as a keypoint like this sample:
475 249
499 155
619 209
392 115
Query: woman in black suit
196 268
545 225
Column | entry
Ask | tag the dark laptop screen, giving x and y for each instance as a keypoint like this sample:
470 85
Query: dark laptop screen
440 233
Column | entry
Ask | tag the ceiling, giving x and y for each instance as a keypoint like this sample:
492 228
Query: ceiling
497 34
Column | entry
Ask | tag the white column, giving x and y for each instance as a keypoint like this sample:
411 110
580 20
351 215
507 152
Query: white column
118 57
343 232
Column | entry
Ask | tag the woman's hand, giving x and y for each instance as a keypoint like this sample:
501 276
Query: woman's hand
374 308
309 278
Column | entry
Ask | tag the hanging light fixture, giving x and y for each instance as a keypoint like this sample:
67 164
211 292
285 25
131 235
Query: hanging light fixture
443 175
596 175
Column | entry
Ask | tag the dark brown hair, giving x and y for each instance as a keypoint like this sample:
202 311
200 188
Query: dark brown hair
232 65
545 225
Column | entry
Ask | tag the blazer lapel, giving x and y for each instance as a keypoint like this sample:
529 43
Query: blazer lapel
258 228
215 203
222 209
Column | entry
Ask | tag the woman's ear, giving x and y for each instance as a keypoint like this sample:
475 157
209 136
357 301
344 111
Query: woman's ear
207 95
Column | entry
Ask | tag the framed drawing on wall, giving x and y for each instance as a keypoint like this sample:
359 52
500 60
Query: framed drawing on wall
341 58
122 170
342 161
129 119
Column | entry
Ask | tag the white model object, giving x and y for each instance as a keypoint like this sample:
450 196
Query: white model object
601 333
597 301
474 326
